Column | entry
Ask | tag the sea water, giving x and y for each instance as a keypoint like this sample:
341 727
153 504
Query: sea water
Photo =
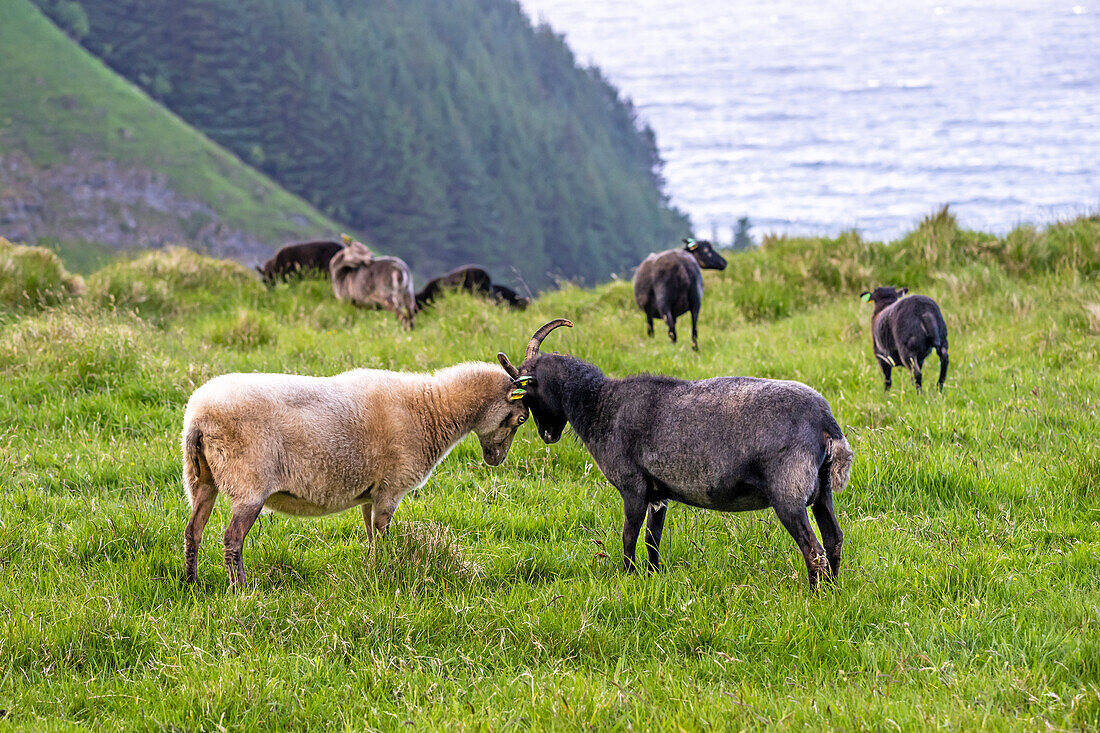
819 117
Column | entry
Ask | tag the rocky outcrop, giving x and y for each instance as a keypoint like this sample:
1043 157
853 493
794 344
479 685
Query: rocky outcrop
127 207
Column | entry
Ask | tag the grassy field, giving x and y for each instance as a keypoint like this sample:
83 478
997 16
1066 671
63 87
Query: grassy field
968 597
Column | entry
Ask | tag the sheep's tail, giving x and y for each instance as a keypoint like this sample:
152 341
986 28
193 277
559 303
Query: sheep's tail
838 457
193 460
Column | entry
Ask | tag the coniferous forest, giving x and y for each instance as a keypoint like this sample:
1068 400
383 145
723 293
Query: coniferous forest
449 131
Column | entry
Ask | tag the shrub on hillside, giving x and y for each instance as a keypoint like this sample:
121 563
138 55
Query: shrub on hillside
162 282
33 277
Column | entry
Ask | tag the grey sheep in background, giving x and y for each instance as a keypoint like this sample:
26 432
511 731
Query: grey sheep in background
670 283
374 282
317 445
730 443
904 331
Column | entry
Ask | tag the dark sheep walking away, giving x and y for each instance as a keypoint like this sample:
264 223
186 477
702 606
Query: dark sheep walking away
730 443
305 258
904 332
670 283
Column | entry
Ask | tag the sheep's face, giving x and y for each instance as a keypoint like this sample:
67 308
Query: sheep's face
498 427
705 255
544 403
883 296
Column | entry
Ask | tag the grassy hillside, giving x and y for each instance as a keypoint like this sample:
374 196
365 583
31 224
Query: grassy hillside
448 132
967 597
88 157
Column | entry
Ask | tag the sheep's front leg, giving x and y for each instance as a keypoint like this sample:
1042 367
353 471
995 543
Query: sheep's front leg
886 370
798 524
244 516
634 508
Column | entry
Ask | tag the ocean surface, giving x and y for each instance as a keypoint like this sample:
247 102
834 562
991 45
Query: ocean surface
814 118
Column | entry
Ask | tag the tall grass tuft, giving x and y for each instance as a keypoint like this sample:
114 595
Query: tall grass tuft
33 277
162 283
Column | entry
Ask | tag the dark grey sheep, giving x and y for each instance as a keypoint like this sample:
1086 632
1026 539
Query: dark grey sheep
304 258
905 330
505 294
469 278
670 283
730 443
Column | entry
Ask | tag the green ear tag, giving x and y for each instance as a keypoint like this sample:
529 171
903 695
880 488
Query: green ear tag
516 394
866 297
525 380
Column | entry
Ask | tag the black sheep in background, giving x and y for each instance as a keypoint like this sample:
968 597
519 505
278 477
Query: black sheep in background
304 258
905 330
670 283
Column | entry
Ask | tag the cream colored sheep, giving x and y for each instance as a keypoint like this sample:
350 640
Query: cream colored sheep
317 445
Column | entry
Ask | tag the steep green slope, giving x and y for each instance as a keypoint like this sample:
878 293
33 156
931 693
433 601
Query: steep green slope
967 597
449 132
85 156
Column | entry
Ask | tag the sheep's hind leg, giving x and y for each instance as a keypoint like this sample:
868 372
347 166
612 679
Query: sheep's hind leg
381 512
654 526
671 321
244 516
203 496
831 536
648 325
942 352
798 524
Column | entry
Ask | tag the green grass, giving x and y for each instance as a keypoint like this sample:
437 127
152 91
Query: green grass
968 596
57 99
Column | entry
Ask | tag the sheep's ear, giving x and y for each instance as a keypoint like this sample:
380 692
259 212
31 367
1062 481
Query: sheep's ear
516 394
865 296
903 291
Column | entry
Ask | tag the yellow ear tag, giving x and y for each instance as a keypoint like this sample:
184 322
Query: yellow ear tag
516 394
525 380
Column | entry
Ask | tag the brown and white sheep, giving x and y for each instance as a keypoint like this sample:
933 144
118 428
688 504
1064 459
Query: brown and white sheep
373 282
318 445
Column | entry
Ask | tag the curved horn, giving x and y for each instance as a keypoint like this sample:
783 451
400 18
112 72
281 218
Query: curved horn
536 340
503 359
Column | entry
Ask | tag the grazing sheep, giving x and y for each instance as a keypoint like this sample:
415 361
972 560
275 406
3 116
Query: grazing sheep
670 283
470 278
905 330
730 443
374 282
316 445
305 258
504 294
